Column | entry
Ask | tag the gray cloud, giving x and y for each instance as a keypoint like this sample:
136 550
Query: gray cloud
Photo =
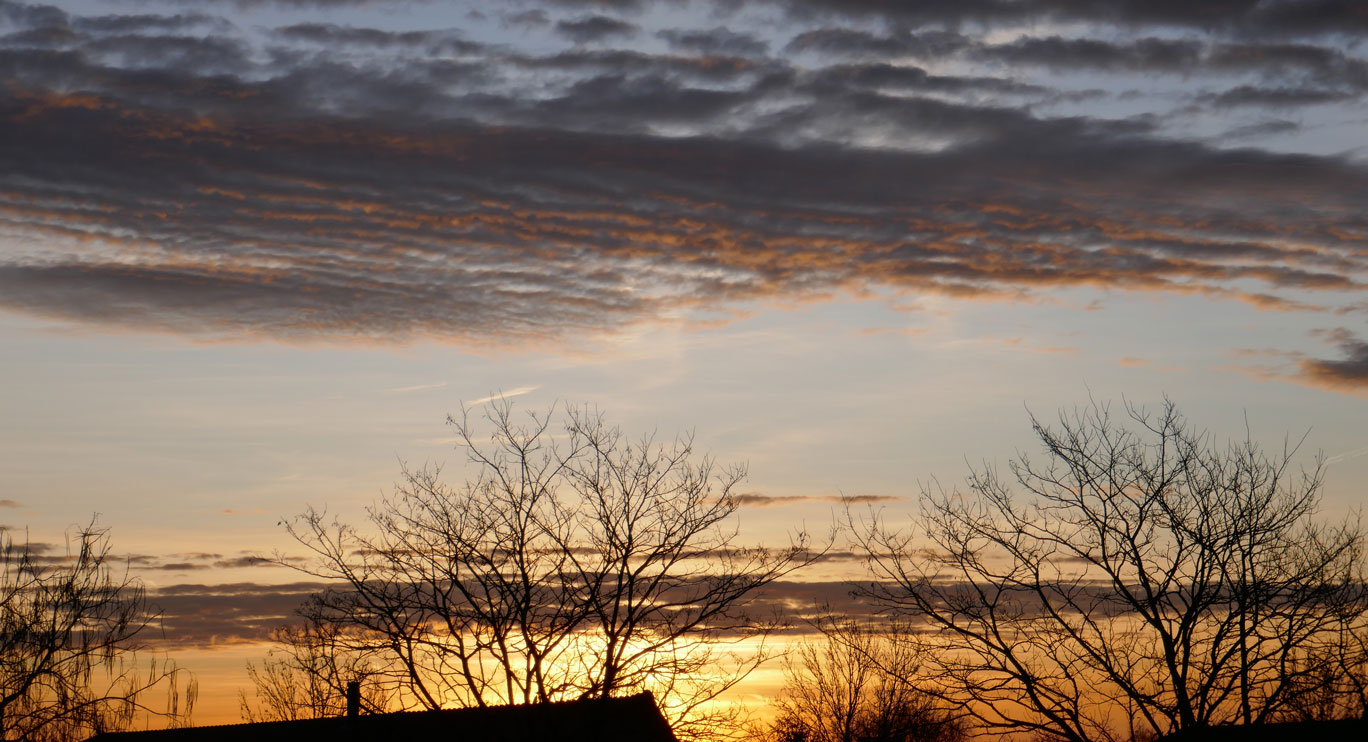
34 16
204 615
1291 65
37 549
902 78
1276 18
214 615
715 41
1248 95
630 6
180 566
335 226
596 28
145 22
1349 371
245 561
1261 129
861 43
292 4
176 173
527 19
1147 55
430 43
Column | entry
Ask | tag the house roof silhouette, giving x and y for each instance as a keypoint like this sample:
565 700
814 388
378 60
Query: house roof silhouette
627 719
1291 731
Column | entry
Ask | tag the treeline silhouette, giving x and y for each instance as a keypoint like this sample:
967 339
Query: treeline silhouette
1135 578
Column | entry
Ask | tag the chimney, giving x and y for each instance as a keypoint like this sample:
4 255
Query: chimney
353 698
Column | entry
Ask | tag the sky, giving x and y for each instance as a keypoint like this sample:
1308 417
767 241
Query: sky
254 252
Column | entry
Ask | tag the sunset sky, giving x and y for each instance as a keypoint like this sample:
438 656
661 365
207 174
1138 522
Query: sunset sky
253 252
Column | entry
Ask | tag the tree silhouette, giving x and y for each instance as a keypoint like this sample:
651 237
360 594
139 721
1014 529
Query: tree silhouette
574 563
307 677
856 683
1139 580
69 627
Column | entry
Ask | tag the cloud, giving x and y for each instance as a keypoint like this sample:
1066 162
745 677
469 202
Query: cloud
595 28
715 41
438 42
627 6
527 19
1294 75
7 503
197 561
290 4
180 566
43 553
322 182
1346 456
326 251
1061 53
1278 18
1283 97
1261 129
245 561
334 228
208 615
1275 18
1348 372
198 615
203 615
755 499
509 394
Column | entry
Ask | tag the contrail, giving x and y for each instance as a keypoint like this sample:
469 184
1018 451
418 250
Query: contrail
518 392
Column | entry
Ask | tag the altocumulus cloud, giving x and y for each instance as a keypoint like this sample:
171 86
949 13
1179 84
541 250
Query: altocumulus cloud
195 615
203 173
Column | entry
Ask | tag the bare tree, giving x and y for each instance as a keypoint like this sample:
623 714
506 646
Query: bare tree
1138 581
575 563
857 683
306 677
1331 680
69 628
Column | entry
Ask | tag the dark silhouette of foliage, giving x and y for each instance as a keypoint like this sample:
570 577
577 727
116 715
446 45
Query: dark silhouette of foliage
305 677
574 563
855 683
1137 581
69 628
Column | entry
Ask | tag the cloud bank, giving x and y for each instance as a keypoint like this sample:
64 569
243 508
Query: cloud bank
202 172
